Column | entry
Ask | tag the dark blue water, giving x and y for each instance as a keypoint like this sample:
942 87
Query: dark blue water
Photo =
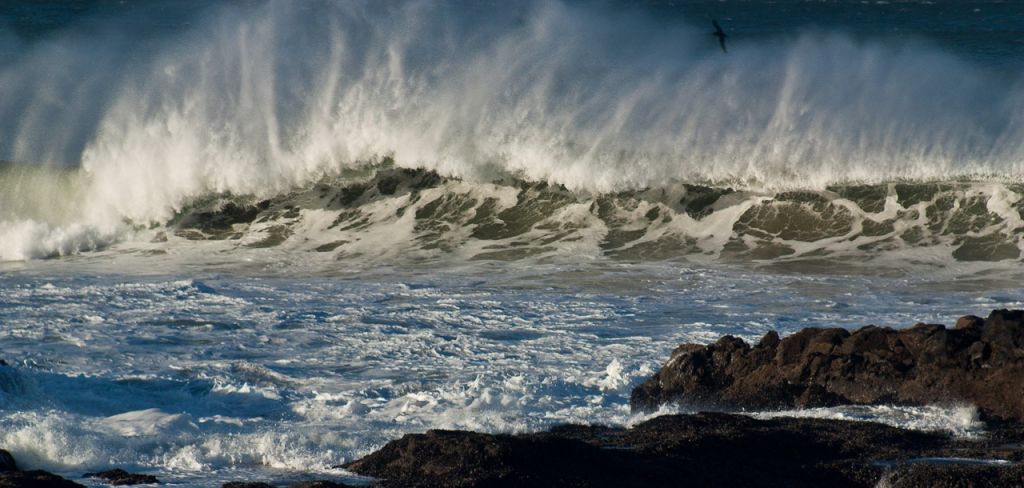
990 31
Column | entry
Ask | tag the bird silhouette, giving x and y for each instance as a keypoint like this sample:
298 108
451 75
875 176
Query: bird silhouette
720 34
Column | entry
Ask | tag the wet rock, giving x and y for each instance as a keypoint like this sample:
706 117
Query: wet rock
302 484
7 462
34 479
969 322
705 449
120 477
697 450
945 475
12 477
320 484
979 361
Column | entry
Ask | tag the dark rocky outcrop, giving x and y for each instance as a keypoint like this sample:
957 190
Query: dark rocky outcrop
707 449
12 477
320 484
34 479
301 484
955 476
120 477
980 361
7 462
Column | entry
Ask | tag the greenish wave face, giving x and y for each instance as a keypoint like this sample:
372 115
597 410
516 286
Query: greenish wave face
416 215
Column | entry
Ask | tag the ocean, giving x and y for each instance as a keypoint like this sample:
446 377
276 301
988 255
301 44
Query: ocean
255 240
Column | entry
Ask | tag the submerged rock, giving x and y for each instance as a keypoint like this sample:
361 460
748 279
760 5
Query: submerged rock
120 477
980 361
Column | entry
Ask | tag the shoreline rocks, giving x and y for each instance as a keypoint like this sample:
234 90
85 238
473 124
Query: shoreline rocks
705 449
979 361
13 477
120 477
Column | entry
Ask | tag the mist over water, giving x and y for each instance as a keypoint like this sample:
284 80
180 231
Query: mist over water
256 98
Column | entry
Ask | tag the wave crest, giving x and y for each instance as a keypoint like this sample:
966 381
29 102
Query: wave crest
263 99
415 215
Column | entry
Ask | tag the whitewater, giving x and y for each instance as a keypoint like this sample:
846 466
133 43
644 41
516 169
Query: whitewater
257 99
258 239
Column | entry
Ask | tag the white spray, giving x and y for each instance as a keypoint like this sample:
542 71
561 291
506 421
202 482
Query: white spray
262 98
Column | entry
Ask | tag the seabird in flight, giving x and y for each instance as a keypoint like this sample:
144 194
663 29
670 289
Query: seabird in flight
720 34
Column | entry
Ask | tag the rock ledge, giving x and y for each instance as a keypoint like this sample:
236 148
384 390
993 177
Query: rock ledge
979 361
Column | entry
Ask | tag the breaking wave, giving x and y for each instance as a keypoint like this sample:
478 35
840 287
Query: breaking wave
405 215
408 215
608 133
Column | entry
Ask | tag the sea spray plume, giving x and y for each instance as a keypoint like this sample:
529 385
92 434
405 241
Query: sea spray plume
56 83
539 101
260 99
